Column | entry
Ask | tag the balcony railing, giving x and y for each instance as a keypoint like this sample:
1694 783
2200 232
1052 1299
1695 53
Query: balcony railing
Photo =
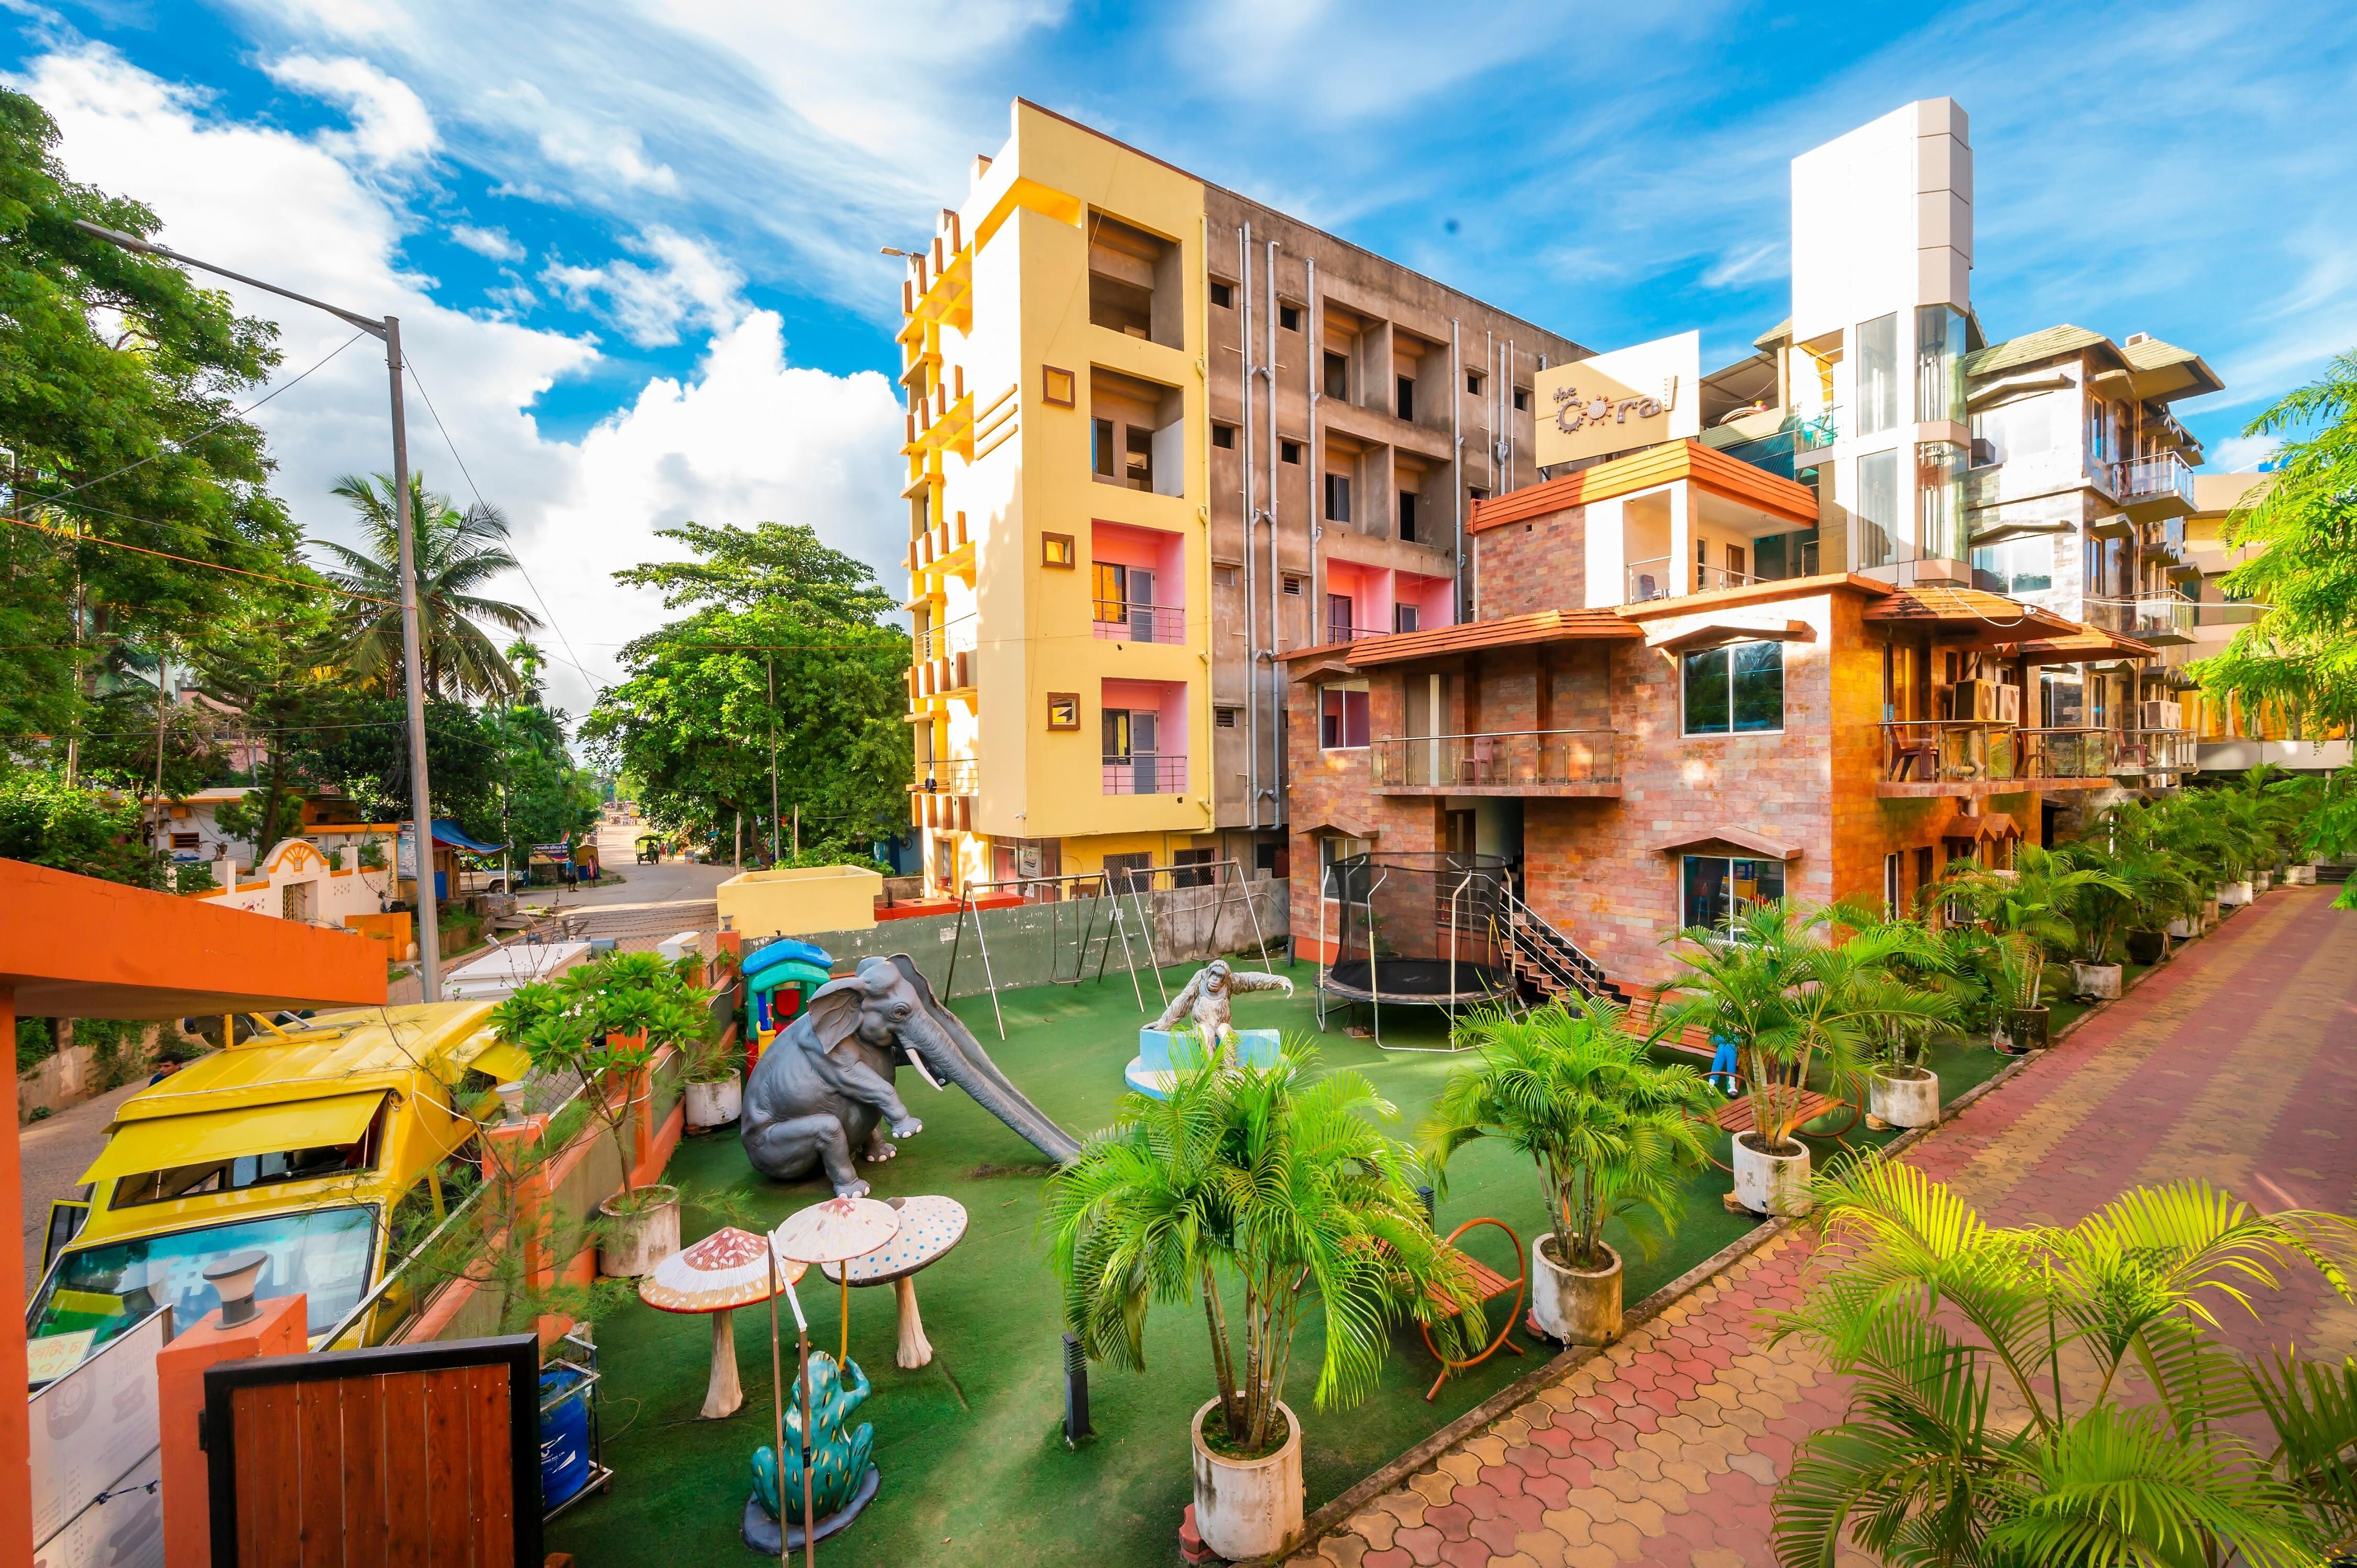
2157 478
1781 451
2166 542
1664 578
1967 751
959 635
1128 621
1341 631
1503 760
948 776
1145 773
2148 753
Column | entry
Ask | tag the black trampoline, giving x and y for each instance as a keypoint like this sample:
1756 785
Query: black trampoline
1413 928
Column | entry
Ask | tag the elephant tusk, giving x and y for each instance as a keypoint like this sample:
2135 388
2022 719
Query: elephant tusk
920 1066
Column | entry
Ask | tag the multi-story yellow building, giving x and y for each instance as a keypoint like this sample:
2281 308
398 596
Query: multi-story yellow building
1158 437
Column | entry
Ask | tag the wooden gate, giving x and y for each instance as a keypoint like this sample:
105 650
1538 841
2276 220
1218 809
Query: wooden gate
425 1455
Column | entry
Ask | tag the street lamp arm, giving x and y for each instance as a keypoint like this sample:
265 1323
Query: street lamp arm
148 248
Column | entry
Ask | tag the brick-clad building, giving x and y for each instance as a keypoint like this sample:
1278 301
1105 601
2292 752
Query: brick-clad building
1644 756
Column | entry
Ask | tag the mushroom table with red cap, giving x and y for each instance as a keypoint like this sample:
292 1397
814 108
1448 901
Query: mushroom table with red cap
724 1271
929 1227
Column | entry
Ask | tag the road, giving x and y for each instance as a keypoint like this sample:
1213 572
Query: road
55 1151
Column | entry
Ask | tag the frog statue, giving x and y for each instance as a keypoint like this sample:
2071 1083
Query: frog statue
839 1458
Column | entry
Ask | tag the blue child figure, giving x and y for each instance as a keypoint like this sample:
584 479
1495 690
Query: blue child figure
839 1459
1724 1065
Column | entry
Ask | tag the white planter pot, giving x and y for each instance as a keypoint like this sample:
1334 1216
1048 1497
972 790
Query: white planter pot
2233 895
2301 876
1248 1508
1770 1184
2263 881
2100 981
1904 1101
2183 929
641 1240
1575 1306
2209 916
716 1104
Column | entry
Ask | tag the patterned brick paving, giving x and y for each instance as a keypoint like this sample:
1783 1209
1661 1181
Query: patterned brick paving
2234 1061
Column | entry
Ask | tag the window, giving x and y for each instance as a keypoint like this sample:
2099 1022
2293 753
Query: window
1223 436
1226 576
1340 617
1293 587
2013 430
1877 509
1289 450
1735 690
1892 892
1337 376
1877 374
1063 710
1407 397
1224 718
1474 494
1716 888
1289 316
1111 587
1940 500
1338 497
1057 389
1059 551
1940 363
1100 448
1403 617
1473 383
1222 295
1137 471
1407 515
1343 715
184 841
1521 400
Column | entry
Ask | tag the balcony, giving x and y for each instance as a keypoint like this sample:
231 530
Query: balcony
1128 621
2155 756
1145 773
1784 451
1661 579
1343 631
948 776
1559 762
1973 757
2163 620
2156 487
957 637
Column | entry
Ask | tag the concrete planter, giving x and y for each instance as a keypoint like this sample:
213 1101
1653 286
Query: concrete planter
2185 928
2145 947
2301 876
1575 1306
1770 1184
716 1104
2263 881
642 1239
1904 1096
2208 915
1248 1508
2233 895
2100 982
2020 1030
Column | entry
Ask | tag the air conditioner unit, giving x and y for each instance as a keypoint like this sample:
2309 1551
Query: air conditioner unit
1991 702
2160 714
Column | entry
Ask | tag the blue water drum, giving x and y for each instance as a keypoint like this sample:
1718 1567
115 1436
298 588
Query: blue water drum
564 1436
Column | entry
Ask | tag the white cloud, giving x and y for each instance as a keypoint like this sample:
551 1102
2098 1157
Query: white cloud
748 438
390 124
2240 454
610 153
496 244
1746 265
688 284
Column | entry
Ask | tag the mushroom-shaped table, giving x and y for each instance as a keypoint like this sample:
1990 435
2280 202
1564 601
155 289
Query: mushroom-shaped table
929 1226
830 1232
727 1269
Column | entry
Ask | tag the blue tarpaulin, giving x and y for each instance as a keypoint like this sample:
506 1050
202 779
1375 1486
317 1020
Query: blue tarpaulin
447 832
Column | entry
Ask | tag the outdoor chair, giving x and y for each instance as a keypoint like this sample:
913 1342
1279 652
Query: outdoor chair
1488 1284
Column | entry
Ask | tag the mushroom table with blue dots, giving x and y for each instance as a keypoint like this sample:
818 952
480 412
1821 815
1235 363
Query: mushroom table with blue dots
929 1226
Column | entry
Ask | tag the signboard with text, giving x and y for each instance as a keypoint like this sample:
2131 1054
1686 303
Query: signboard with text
1620 402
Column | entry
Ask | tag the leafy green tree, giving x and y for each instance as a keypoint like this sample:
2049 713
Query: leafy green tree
2064 1395
120 381
73 827
783 638
456 553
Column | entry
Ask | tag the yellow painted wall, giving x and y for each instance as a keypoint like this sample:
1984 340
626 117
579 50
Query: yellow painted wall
795 900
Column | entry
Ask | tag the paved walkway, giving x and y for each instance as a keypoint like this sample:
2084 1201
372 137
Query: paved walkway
2233 1062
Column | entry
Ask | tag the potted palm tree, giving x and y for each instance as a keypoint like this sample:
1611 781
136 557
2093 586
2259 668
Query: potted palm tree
2050 1395
1901 1089
1792 999
1263 1184
604 1024
2144 886
1609 1130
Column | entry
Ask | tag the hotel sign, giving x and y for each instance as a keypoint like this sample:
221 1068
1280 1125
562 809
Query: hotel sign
1619 402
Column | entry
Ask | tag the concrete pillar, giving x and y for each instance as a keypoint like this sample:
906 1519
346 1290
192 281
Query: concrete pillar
278 1328
1682 561
16 1424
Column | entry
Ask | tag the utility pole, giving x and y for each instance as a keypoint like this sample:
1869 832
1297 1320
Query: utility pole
773 763
163 672
388 330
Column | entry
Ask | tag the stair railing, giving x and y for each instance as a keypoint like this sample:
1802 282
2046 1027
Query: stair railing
1549 950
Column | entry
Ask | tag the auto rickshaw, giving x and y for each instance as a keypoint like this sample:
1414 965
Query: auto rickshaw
650 849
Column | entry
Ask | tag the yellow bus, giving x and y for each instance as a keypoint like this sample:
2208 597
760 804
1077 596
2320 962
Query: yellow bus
302 1140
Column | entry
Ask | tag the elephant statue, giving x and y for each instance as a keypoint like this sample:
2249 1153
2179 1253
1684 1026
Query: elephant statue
839 1457
824 1088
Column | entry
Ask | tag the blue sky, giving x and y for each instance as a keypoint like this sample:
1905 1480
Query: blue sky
638 243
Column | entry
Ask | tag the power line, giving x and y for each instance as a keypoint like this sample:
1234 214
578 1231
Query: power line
190 560
409 362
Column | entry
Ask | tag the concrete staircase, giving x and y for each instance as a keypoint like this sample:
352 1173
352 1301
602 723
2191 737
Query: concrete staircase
1554 966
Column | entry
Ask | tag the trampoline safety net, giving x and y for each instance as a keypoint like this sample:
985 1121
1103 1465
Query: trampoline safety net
1419 928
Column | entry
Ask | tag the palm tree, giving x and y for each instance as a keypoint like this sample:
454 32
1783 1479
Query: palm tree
2148 883
1251 1172
2052 1395
457 552
1610 1130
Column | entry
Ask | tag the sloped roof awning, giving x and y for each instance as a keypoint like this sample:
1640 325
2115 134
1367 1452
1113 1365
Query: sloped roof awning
1470 637
1717 633
1758 844
161 1143
1981 825
2080 647
1349 827
1946 607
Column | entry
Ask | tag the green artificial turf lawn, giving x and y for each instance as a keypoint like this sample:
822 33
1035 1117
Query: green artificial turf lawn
971 1448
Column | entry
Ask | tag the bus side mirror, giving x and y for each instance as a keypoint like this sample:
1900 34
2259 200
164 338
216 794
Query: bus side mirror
67 1217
